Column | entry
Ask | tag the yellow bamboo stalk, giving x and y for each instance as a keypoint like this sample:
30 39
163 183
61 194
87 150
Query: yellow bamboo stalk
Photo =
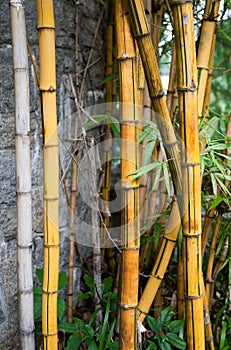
205 46
46 34
209 272
130 188
191 220
143 37
160 266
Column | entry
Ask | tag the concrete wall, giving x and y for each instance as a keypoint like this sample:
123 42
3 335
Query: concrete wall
89 13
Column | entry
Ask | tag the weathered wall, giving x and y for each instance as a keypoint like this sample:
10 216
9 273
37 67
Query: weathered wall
89 13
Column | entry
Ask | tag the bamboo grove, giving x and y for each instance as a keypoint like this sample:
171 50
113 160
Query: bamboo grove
174 237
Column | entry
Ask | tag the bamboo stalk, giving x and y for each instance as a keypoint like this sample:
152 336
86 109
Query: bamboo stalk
143 37
72 217
23 175
205 46
130 188
157 16
209 280
162 261
191 220
46 34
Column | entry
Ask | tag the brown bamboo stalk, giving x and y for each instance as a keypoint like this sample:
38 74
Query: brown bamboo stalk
46 33
191 220
157 16
23 175
147 53
130 188
205 46
162 261
208 326
209 280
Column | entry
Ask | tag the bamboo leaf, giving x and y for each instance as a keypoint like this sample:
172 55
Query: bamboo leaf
214 183
166 178
109 77
115 125
216 202
105 325
74 342
61 308
62 280
157 177
39 274
143 170
223 335
176 341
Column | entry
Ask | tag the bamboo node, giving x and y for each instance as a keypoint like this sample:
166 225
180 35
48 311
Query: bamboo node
192 87
159 95
210 281
134 121
127 307
141 311
129 248
190 164
50 292
51 245
51 88
193 297
143 35
27 333
49 334
29 246
26 291
192 235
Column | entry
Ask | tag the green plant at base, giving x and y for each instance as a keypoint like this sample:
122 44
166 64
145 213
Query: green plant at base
168 333
84 336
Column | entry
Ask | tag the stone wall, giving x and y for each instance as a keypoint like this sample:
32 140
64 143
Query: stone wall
89 14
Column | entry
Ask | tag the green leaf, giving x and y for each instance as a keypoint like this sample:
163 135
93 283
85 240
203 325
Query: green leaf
88 333
68 327
151 346
175 326
216 202
107 284
37 291
74 342
165 346
115 125
111 76
61 308
104 327
89 281
62 280
153 324
84 296
214 183
223 335
143 170
39 274
176 341
165 316
92 346
166 178
78 322
38 307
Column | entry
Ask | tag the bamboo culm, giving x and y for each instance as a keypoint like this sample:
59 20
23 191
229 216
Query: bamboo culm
23 175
